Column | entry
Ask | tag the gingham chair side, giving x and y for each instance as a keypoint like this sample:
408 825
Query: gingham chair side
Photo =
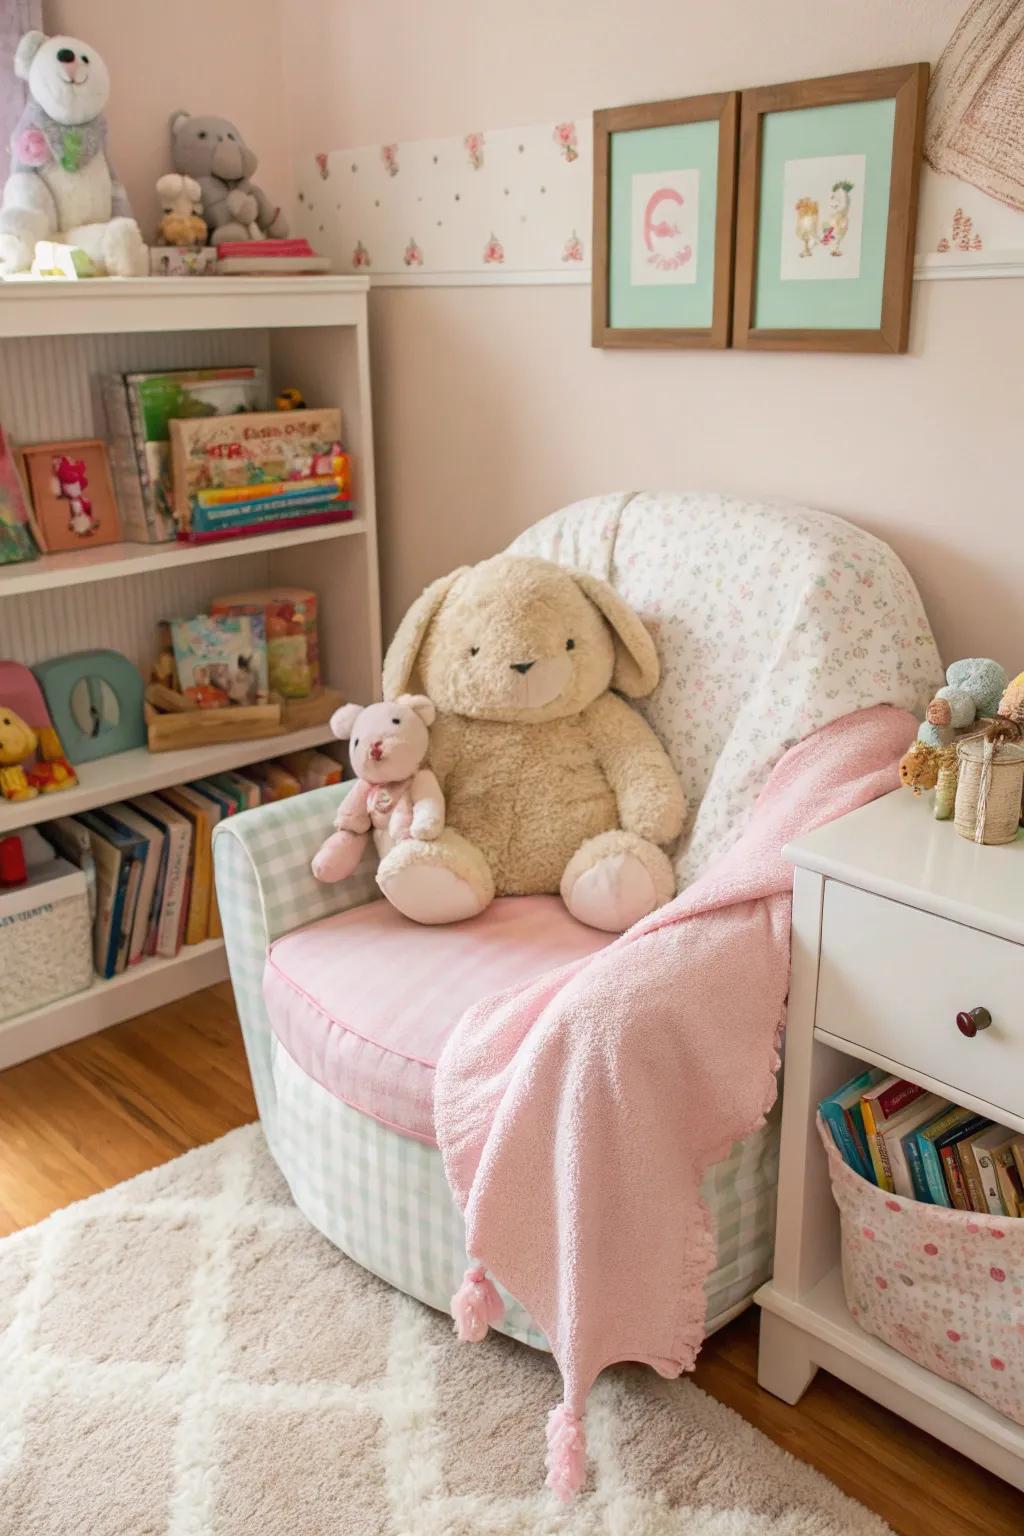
265 888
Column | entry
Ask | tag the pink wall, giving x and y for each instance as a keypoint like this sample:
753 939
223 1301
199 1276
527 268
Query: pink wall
492 408
220 56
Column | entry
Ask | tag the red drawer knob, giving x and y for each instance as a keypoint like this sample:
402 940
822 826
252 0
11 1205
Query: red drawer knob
974 1019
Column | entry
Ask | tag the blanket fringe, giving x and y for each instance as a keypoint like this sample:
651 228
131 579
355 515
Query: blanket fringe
567 1453
476 1305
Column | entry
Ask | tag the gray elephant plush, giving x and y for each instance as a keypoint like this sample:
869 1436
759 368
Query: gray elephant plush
212 150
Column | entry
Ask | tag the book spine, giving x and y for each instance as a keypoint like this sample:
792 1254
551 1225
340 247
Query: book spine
891 1100
917 1177
989 1182
168 941
138 432
206 517
272 524
123 460
874 1148
833 1116
954 1181
972 1183
933 1172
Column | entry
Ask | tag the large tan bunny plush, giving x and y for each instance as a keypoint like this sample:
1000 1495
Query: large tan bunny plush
552 781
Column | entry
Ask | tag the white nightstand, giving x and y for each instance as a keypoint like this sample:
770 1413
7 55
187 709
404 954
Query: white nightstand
899 924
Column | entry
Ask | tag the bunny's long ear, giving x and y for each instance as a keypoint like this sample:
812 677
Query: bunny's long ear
403 652
637 668
26 51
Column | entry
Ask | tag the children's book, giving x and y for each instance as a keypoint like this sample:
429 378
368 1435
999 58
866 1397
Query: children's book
979 1176
889 1138
202 814
171 902
841 1111
246 790
1011 1186
139 408
275 464
16 542
930 1139
135 848
112 871
223 660
153 858
229 799
879 1104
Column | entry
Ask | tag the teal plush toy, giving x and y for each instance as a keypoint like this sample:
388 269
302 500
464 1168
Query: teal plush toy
973 690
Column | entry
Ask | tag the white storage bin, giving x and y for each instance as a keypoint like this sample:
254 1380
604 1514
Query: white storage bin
45 938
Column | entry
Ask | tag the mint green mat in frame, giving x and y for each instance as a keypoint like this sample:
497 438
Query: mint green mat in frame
862 128
679 146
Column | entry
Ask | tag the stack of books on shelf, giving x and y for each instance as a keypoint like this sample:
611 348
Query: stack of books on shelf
266 258
919 1145
148 861
263 473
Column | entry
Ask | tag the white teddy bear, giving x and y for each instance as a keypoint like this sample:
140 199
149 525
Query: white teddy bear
62 185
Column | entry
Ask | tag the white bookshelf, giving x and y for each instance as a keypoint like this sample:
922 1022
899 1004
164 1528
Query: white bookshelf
55 338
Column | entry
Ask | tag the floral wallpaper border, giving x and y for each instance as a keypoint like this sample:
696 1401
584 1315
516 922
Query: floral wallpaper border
510 204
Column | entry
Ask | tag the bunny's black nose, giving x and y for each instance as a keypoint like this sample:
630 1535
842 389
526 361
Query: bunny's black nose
65 56
521 666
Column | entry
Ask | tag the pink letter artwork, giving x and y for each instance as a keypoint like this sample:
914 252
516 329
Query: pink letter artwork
664 227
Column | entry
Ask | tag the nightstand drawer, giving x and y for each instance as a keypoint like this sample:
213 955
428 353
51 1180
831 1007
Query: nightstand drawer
893 979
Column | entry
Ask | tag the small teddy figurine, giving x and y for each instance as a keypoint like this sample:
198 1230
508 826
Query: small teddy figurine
394 796
181 202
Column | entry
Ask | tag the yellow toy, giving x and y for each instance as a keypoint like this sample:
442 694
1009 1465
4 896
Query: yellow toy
19 741
290 400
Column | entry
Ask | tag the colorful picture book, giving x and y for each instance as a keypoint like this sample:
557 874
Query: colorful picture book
139 408
290 623
16 542
916 1144
263 473
222 659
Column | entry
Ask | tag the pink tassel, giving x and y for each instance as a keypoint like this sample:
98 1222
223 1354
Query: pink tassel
567 1453
476 1305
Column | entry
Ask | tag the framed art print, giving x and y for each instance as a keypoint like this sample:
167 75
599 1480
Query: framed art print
73 503
827 211
664 194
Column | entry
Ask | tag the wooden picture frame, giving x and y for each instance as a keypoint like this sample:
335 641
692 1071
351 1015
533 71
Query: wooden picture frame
72 494
715 231
889 289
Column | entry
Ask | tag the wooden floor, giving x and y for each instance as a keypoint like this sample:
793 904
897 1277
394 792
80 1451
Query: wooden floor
80 1119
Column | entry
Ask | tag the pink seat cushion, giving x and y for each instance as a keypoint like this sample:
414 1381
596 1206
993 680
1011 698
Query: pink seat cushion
365 1001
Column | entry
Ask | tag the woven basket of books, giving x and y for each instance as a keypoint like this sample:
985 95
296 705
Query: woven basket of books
935 1283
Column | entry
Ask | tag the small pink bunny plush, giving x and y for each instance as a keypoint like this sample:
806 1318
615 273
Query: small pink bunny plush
394 796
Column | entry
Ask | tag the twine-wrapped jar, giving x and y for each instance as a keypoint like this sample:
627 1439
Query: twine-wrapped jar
989 789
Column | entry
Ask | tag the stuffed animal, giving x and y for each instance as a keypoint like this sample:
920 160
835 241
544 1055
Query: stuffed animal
394 796
18 743
181 203
214 153
62 186
1011 705
972 692
551 781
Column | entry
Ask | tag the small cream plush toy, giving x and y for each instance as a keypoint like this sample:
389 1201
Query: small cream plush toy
181 202
552 782
62 185
394 796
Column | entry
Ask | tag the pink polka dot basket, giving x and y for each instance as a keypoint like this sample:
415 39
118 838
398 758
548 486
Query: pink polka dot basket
944 1287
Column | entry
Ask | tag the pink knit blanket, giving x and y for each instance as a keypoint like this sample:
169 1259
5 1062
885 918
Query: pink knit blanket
577 1115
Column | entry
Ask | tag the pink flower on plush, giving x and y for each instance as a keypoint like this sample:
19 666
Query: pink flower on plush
32 148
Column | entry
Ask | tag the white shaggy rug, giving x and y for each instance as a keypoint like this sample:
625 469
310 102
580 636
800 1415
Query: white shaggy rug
185 1356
